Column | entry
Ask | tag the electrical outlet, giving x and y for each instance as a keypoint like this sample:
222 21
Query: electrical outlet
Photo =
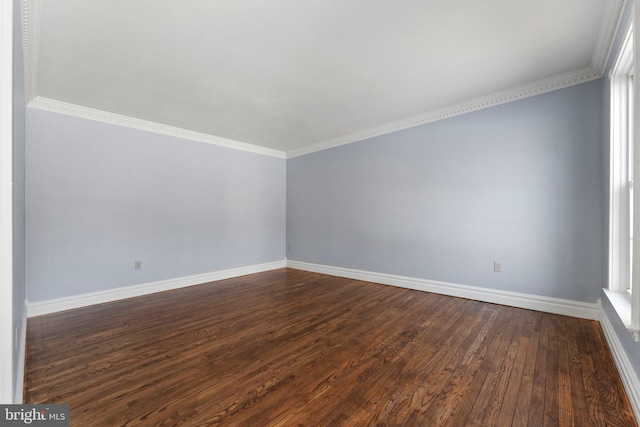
289 248
497 267
137 265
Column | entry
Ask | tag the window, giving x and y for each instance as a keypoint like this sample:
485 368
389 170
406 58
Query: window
624 246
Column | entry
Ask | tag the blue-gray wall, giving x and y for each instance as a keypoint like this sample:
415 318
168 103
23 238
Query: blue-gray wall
519 183
18 185
100 197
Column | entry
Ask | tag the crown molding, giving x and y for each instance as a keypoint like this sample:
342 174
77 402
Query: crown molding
30 46
611 17
68 109
535 88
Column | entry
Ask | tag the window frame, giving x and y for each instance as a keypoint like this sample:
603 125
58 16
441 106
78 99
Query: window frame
624 202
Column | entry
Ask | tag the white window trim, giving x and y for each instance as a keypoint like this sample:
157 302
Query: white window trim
628 306
635 282
618 226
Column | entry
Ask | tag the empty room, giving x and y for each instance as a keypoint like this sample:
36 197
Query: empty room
354 213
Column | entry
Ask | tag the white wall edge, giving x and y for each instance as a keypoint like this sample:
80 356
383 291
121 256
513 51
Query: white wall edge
628 375
65 108
7 361
19 391
579 309
84 300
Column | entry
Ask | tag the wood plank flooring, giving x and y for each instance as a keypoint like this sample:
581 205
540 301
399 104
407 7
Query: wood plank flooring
292 348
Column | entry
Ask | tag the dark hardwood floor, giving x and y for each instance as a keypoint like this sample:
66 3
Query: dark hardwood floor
295 348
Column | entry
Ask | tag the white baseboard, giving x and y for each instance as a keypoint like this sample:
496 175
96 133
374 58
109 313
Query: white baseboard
579 309
22 354
78 301
628 375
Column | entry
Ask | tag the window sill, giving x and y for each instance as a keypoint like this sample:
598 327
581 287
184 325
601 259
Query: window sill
621 302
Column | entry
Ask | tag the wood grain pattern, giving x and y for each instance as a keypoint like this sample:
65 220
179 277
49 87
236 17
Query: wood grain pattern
290 348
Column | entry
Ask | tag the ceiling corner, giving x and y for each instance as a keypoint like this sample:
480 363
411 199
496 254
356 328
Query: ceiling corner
611 17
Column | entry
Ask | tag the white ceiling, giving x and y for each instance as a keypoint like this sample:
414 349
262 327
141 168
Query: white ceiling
299 75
